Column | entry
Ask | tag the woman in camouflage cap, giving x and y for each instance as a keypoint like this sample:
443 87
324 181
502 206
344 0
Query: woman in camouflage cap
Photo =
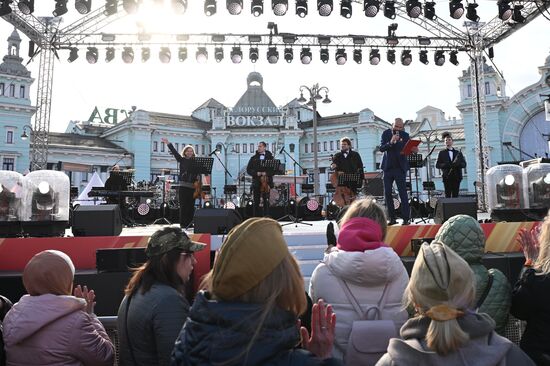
155 308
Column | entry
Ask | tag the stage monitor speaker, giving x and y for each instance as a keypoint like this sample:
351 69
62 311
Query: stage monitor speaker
375 187
215 220
449 207
102 220
119 259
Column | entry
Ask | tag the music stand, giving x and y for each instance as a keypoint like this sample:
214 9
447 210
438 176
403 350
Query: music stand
162 220
228 190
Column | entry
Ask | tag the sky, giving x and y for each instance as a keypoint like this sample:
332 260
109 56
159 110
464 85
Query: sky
179 88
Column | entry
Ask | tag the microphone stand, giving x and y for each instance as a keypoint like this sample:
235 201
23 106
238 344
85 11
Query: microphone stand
224 168
294 219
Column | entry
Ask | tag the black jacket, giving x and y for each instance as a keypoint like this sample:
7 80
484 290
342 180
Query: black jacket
186 177
252 168
350 164
531 302
451 169
216 332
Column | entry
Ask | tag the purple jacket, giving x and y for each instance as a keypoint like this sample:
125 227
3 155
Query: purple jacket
55 330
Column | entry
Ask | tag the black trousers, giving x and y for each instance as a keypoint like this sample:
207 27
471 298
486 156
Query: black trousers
257 196
187 206
452 186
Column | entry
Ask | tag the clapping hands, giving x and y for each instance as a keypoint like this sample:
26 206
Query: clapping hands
529 243
323 323
88 295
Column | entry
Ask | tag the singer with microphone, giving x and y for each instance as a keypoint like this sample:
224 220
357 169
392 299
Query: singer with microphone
451 162
262 182
395 166
187 182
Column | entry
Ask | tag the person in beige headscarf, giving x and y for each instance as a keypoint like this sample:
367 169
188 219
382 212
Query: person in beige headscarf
49 326
445 330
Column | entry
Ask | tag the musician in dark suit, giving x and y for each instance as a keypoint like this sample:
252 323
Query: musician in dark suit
187 182
395 166
115 182
347 161
258 177
451 162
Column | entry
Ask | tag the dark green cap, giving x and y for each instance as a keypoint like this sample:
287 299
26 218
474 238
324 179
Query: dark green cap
163 241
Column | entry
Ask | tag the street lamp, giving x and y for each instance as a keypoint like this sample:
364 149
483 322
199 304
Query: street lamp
24 135
314 96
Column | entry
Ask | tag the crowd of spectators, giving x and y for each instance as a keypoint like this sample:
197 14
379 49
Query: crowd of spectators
364 308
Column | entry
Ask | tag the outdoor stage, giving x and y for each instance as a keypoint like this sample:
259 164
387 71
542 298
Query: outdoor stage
307 243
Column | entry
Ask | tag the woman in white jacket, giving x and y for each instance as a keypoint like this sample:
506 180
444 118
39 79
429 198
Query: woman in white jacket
367 265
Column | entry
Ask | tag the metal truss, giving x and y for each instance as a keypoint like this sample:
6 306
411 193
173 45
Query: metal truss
441 36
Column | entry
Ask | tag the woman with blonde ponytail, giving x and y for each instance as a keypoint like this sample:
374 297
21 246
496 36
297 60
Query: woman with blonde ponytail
445 330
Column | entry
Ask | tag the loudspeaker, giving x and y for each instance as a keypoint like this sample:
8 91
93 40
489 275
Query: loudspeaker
375 187
215 220
102 220
449 207
119 259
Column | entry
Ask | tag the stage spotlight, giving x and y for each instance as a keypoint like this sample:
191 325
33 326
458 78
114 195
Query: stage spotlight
453 57
414 8
406 57
358 56
209 7
371 7
236 55
504 11
202 55
305 56
165 55
257 7
234 7
73 54
218 54
456 9
272 55
5 7
92 55
392 39
508 194
111 7
516 16
301 8
423 56
128 55
341 56
26 6
207 204
471 12
324 55
439 58
332 210
131 6
145 54
429 10
374 57
110 54
391 56
324 7
541 192
389 9
279 7
60 7
289 54
253 54
182 54
346 9
83 6
179 6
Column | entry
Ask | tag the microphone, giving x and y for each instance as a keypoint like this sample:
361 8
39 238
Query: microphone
213 152
282 149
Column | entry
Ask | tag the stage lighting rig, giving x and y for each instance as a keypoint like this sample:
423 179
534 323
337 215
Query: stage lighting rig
253 54
414 8
374 57
301 8
234 7
306 56
358 55
371 7
110 54
341 56
131 6
202 55
179 6
26 6
517 16
145 54
389 9
453 57
165 55
390 56
257 7
272 55
289 54
83 6
508 192
92 55
471 12
324 55
429 10
324 7
218 54
236 55
423 57
345 9
182 54
504 10
456 9
210 7
60 8
406 57
128 55
279 7
439 58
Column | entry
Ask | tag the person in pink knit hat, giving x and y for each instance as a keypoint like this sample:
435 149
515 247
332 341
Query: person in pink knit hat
49 326
366 265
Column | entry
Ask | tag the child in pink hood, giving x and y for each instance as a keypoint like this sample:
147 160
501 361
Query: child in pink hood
49 326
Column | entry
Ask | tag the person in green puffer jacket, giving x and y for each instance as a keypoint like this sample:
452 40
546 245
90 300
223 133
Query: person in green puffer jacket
464 235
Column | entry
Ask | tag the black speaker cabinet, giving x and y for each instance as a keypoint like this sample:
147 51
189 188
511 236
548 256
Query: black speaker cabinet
449 207
215 220
119 259
102 220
